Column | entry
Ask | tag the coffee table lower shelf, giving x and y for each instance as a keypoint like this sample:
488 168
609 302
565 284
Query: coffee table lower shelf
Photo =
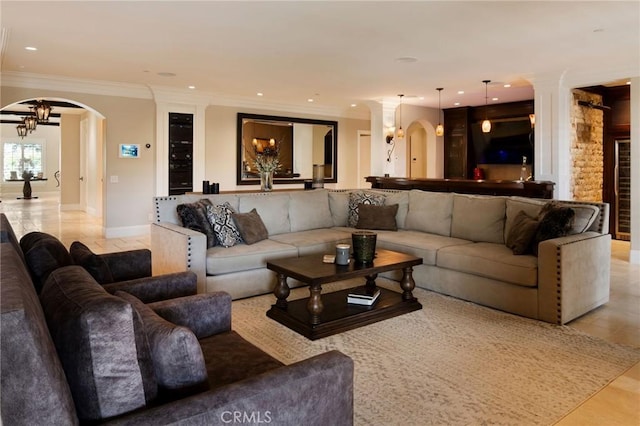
339 316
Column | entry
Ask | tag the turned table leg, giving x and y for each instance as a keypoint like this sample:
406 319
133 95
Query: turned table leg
315 306
281 291
371 281
407 284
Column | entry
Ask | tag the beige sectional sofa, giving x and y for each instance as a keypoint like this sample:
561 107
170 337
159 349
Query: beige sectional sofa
461 239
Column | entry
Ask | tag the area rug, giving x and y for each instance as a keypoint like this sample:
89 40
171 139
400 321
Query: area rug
452 363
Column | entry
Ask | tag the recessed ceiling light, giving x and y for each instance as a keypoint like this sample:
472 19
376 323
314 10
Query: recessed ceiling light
457 103
310 100
629 82
598 30
31 48
259 94
354 105
407 59
192 87
460 92
494 99
507 85
166 74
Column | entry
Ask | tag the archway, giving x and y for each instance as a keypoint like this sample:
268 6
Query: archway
72 150
424 151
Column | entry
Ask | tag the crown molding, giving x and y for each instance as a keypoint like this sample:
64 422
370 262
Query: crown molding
163 94
74 85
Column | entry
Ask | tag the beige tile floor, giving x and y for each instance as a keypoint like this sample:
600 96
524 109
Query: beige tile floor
618 321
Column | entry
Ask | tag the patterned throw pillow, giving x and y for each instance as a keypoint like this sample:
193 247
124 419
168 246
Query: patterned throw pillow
224 228
361 197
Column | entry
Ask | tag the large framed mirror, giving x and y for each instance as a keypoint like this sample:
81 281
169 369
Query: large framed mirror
298 144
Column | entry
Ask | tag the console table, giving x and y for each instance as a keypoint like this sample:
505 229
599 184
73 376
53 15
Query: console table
531 189
26 188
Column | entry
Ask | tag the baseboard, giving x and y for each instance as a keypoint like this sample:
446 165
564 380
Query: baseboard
126 231
69 207
634 257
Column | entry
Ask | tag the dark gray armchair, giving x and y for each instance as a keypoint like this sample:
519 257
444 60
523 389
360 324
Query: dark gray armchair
120 271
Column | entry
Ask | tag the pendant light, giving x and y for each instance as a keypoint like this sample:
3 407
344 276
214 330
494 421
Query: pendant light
22 130
486 124
42 110
439 127
400 133
30 122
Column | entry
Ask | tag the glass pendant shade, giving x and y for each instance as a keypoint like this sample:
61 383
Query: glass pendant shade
22 130
43 110
439 127
486 126
30 123
400 133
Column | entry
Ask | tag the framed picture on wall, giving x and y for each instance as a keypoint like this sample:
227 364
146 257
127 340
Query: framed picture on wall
129 150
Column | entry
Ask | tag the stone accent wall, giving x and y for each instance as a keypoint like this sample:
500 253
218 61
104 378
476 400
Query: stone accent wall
586 148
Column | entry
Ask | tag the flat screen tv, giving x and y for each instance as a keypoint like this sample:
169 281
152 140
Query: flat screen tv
507 143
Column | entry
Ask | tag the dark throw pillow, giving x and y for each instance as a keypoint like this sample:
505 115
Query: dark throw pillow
554 222
194 216
178 361
523 229
250 226
377 217
94 264
361 197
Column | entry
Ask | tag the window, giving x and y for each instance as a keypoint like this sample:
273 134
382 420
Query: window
21 156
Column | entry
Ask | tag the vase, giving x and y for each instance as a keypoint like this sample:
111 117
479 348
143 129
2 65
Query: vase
266 181
364 246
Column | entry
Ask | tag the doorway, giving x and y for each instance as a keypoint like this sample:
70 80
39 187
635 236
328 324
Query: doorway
364 158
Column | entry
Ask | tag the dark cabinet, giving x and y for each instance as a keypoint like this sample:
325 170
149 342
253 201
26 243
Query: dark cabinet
180 153
457 161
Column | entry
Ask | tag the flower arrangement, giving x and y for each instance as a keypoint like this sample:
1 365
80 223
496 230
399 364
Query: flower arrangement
267 163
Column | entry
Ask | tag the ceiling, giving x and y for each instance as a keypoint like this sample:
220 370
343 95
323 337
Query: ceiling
337 53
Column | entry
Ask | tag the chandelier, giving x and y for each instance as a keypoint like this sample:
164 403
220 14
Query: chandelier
40 113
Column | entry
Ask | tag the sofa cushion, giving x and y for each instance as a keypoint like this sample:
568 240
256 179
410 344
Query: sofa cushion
250 226
92 263
272 208
416 243
490 260
521 234
43 253
514 205
430 212
361 197
243 257
310 210
400 198
377 217
94 335
339 205
178 362
194 216
224 228
315 240
478 218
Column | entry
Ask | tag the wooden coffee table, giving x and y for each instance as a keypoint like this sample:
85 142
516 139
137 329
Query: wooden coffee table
321 315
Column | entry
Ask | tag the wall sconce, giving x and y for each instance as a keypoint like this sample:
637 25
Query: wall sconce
532 119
